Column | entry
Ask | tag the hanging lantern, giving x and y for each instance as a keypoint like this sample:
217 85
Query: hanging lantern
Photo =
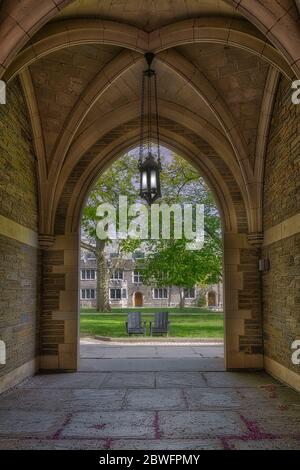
149 159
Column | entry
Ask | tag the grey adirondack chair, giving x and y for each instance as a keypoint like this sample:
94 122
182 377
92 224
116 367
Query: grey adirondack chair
161 324
135 325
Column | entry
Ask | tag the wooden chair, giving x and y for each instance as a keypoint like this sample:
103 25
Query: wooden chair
161 324
135 325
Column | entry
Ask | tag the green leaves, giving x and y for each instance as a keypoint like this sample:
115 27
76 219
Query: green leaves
120 179
172 265
168 262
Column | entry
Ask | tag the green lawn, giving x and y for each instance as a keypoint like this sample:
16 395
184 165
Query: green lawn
191 322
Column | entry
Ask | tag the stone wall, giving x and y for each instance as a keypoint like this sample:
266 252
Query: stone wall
18 303
281 285
19 256
18 192
281 188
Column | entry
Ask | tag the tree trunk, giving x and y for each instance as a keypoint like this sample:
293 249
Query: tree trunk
170 297
102 279
181 293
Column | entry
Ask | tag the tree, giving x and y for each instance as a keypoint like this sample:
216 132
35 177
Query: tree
173 265
119 179
168 262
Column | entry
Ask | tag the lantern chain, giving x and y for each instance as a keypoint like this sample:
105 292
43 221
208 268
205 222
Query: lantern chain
149 75
157 121
142 120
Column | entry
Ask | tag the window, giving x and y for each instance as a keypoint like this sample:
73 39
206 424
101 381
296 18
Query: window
88 274
160 293
88 294
124 293
138 255
116 275
137 277
115 294
189 293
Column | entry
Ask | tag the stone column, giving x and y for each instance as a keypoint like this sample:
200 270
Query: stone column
242 300
59 338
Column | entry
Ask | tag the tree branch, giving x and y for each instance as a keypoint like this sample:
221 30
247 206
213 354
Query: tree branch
88 247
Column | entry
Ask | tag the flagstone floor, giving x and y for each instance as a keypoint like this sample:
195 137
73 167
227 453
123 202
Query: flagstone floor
151 397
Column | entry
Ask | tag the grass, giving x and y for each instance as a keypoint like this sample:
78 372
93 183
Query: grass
189 323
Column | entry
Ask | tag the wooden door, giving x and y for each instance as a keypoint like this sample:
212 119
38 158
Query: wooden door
138 299
211 299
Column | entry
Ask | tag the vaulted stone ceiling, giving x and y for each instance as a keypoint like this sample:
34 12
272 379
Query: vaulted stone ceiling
147 14
60 78
217 76
240 78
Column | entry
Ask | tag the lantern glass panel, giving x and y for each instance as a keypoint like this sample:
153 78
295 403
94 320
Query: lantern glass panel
144 180
153 180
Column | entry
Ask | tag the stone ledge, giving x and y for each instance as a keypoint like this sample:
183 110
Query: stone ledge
16 376
285 229
282 373
18 232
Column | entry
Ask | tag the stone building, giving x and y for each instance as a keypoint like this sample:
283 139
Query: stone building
126 287
73 73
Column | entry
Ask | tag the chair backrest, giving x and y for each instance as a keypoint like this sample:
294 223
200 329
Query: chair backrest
161 319
134 320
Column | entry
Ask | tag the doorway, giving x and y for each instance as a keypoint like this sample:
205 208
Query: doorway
138 299
211 299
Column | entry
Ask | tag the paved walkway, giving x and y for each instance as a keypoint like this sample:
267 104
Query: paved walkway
137 357
150 397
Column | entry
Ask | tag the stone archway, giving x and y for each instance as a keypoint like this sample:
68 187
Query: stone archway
240 257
